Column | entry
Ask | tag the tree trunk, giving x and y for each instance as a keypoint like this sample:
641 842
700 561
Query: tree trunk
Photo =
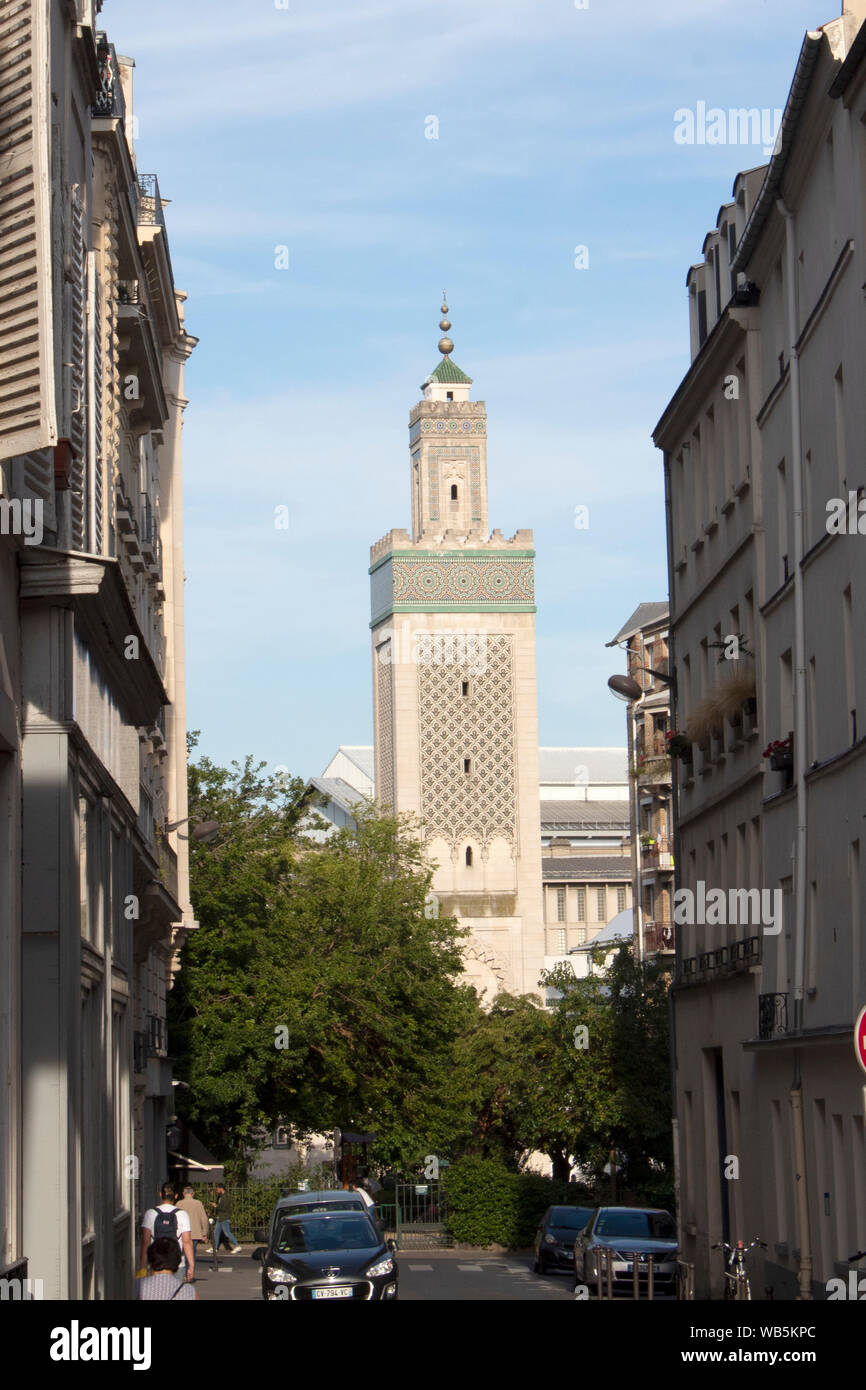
561 1166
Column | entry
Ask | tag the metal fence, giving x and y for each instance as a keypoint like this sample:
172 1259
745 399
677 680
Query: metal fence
640 1279
251 1203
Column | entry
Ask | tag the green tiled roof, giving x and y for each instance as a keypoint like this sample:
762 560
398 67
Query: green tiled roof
450 372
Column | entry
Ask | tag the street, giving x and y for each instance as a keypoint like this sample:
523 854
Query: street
425 1276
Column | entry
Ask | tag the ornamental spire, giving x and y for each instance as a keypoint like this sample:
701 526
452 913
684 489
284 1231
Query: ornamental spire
446 347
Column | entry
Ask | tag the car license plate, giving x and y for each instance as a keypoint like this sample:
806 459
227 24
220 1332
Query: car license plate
332 1293
641 1264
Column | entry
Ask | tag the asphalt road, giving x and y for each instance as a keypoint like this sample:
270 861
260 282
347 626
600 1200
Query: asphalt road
425 1276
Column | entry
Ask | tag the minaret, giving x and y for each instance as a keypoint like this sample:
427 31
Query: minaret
454 687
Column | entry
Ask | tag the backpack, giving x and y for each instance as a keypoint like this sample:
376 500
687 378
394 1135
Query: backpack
165 1224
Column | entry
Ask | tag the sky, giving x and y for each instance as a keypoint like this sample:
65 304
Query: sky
331 167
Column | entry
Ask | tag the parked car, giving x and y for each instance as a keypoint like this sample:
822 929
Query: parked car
329 1254
303 1203
628 1231
555 1237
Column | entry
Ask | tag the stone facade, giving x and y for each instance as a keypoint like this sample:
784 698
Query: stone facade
92 713
765 430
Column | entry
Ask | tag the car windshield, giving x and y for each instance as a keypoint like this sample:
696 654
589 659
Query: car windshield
569 1218
642 1225
324 1233
343 1204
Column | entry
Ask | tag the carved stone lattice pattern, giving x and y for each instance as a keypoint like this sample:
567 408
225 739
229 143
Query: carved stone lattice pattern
503 579
481 804
385 729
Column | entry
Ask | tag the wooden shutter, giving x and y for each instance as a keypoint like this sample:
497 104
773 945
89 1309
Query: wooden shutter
94 406
28 416
78 377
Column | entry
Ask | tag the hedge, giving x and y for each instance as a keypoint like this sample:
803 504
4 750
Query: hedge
489 1205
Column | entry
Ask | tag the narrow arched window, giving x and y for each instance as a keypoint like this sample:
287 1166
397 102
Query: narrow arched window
453 492
467 765
469 856
464 688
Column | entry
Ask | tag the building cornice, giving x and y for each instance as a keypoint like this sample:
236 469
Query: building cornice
92 586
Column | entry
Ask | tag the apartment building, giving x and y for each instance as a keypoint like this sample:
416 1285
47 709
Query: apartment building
761 441
92 715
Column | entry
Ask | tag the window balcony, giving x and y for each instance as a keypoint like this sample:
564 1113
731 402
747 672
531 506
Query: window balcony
110 100
658 938
772 1016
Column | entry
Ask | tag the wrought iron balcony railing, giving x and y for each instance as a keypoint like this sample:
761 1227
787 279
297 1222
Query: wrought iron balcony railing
723 960
772 1016
150 210
110 100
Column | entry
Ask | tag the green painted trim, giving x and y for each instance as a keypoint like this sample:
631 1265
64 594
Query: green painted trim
428 555
454 608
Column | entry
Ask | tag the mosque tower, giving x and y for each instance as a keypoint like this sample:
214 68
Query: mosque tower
454 687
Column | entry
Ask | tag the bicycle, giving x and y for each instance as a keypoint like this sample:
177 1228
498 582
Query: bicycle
737 1285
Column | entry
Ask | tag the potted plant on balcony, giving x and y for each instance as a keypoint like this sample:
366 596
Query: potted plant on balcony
781 754
679 746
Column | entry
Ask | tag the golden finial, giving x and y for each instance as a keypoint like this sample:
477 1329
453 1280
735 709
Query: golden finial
445 344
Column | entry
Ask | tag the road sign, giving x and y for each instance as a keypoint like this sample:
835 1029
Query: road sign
860 1037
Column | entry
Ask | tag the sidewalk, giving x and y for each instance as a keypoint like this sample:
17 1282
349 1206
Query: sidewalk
239 1278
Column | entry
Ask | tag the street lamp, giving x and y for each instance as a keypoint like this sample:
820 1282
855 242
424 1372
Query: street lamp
203 830
626 687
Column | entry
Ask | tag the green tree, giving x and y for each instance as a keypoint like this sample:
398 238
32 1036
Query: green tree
317 988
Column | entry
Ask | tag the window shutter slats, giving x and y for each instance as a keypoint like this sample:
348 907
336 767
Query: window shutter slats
78 378
28 418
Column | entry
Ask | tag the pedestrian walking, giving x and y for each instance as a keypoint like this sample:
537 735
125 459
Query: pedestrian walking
163 1259
166 1220
198 1222
222 1210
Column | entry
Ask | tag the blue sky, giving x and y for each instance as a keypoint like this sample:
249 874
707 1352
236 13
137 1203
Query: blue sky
305 127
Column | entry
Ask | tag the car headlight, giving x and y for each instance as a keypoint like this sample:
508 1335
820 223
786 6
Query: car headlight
550 1240
385 1266
278 1274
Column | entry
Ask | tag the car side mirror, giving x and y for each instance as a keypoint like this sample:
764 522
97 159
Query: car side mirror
259 1254
392 1246
261 1234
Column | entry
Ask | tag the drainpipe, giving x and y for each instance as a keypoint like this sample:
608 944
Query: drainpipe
799 759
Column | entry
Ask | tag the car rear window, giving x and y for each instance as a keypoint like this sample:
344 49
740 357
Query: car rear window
343 1204
569 1218
642 1225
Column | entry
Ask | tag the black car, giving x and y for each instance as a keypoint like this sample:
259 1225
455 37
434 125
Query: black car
327 1255
555 1237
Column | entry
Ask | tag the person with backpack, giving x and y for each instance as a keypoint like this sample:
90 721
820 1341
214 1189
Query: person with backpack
167 1220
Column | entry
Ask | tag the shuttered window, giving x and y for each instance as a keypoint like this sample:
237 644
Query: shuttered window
78 374
27 406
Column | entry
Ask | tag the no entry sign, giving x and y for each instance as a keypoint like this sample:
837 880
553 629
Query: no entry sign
860 1037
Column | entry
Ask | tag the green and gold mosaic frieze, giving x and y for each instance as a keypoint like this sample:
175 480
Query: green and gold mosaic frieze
453 581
